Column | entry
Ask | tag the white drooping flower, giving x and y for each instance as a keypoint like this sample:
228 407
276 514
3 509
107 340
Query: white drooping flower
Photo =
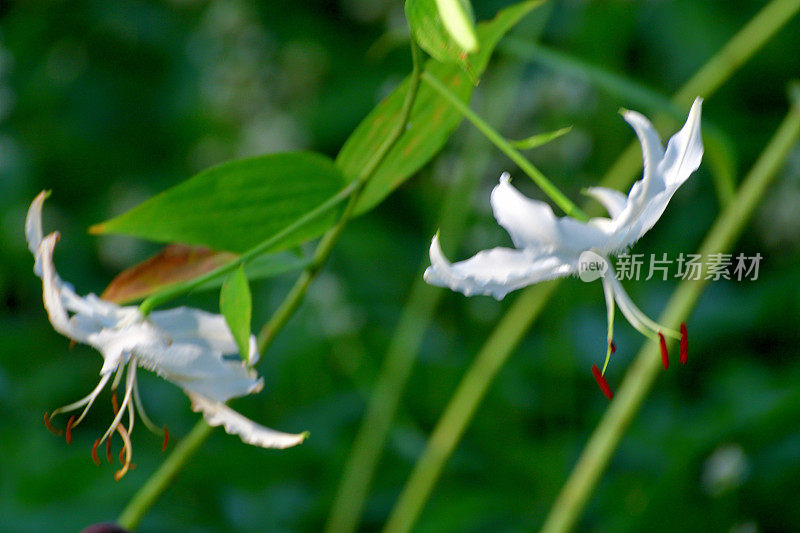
549 247
191 348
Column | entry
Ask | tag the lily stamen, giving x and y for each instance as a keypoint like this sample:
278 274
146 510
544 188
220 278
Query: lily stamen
601 381
127 448
121 411
87 400
684 344
49 425
137 402
94 452
664 353
69 429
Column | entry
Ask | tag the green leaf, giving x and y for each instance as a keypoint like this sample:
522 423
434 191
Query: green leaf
432 120
237 205
447 35
235 304
539 139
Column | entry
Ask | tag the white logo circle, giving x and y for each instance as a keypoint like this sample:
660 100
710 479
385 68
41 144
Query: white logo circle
591 266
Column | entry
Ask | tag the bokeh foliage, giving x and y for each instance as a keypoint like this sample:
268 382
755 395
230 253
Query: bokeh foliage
108 103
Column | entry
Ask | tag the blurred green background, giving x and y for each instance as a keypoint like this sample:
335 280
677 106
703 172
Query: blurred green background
109 102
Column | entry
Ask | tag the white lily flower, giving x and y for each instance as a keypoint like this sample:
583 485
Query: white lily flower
189 347
548 247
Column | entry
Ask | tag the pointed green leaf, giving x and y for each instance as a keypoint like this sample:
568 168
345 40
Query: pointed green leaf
539 139
236 306
432 121
237 205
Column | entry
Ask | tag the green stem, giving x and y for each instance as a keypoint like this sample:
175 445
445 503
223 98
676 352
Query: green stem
645 368
737 50
160 480
156 484
498 140
621 174
328 241
717 146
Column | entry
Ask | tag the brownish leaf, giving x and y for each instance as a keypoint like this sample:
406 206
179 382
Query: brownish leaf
173 264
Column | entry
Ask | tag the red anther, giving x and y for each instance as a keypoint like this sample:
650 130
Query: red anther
94 452
122 456
612 346
108 449
664 353
54 430
114 402
684 344
602 382
69 429
166 439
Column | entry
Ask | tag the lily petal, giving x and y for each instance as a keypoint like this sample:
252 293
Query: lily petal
613 201
494 272
652 151
52 287
218 414
533 225
684 150
649 197
33 228
196 369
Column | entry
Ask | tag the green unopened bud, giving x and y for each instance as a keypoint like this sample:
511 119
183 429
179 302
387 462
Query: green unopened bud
458 21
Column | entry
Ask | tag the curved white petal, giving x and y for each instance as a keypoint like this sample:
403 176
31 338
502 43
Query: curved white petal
193 367
202 327
494 272
51 291
613 201
652 151
33 228
218 414
533 225
649 197
684 149
184 323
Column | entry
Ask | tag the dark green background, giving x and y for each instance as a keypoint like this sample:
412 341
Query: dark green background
109 102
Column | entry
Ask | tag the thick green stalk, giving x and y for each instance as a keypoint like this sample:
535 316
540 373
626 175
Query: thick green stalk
646 366
461 407
147 495
741 46
498 140
404 345
712 75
